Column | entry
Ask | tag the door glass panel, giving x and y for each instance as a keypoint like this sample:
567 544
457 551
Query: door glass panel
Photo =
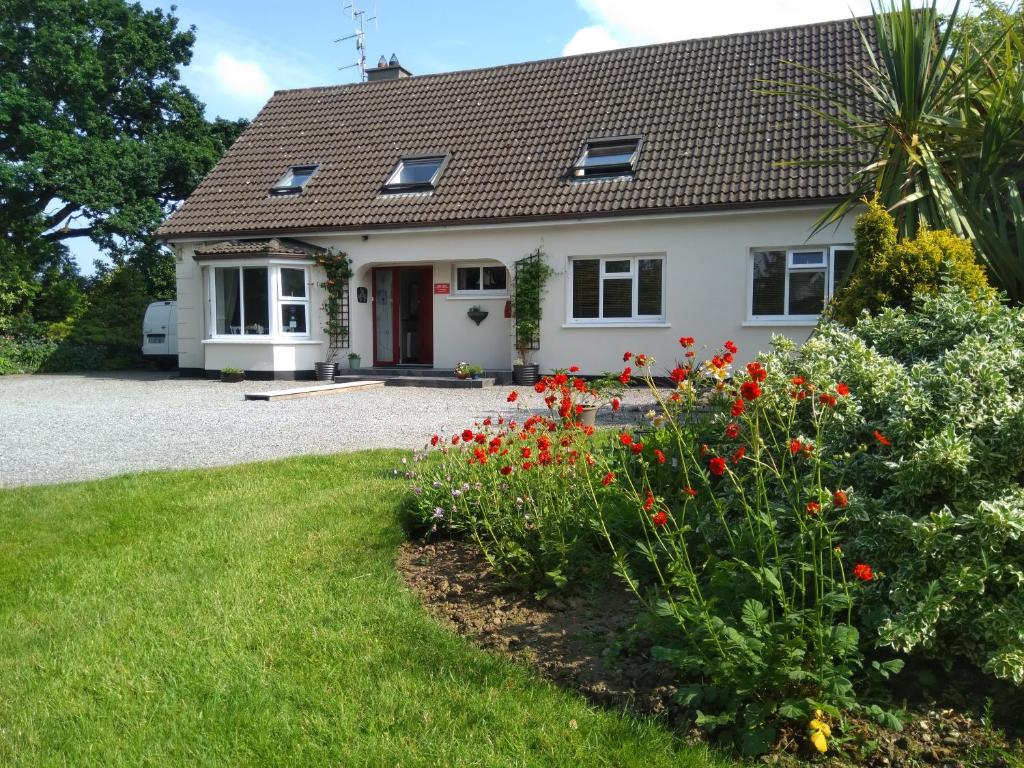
383 315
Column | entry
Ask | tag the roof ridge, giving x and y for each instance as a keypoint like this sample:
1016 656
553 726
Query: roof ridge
577 56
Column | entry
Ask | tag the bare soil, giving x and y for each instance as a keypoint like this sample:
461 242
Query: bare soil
587 641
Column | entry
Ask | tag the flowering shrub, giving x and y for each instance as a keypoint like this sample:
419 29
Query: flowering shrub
515 486
940 390
742 541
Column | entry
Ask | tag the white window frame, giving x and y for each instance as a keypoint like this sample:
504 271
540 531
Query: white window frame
633 274
275 300
829 260
479 265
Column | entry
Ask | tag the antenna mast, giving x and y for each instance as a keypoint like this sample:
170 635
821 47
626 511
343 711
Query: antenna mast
358 17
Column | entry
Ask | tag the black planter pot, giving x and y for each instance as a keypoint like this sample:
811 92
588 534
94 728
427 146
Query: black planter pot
325 371
477 315
526 374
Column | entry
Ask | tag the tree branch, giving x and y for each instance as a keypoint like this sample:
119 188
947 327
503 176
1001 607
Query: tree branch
57 217
65 232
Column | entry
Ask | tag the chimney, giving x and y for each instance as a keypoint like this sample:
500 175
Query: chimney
387 69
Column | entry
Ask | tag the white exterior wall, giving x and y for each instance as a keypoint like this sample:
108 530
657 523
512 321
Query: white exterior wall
707 279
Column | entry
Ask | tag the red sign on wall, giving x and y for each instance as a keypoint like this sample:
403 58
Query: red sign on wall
442 288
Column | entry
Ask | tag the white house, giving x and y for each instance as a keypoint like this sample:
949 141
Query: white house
653 179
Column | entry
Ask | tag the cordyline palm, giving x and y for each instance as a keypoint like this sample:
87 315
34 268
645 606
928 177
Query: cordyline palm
935 129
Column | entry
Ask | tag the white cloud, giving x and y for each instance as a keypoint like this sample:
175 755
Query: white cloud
595 38
243 80
616 23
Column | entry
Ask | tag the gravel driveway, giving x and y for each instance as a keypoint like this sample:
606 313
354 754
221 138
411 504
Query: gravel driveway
54 429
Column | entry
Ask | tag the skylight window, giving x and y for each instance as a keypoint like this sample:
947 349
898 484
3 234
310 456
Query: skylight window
602 158
415 174
293 182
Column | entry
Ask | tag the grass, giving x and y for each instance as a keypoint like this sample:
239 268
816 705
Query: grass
253 616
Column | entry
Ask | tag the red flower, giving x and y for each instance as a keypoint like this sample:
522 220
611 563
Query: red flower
649 501
840 499
626 357
659 518
526 452
467 435
717 466
641 360
512 396
732 430
737 408
729 346
637 448
795 446
626 375
608 479
738 454
842 390
727 357
481 438
506 470
487 421
573 368
757 371
626 439
881 438
659 456
797 381
527 466
616 404
691 353
750 390
543 442
690 491
560 379
812 507
863 572
435 439
827 400
686 341
455 439
678 375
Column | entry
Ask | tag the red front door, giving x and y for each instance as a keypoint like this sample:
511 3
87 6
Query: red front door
403 314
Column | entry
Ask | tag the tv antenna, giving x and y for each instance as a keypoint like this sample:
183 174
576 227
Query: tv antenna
358 18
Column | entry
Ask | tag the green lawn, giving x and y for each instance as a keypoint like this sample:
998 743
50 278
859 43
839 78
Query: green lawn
253 616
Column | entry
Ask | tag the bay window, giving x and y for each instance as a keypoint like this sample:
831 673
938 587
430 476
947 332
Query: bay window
259 301
795 283
617 289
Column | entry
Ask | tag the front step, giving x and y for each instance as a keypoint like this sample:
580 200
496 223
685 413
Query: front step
441 382
499 376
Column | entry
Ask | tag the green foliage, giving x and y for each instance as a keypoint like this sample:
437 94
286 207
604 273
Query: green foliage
24 355
98 139
944 511
532 275
888 273
935 127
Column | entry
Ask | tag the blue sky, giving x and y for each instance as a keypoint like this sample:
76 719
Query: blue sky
246 50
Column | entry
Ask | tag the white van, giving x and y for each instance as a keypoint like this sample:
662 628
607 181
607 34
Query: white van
160 334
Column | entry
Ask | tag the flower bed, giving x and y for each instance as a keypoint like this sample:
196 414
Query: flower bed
795 525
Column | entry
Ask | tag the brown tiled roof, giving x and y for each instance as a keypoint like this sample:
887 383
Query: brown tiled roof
513 132
230 249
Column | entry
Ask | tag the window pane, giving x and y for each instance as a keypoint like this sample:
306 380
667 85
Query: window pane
293 318
843 258
618 267
618 298
649 301
806 292
467 278
229 317
586 278
808 258
769 283
599 156
256 313
293 283
416 171
495 278
301 175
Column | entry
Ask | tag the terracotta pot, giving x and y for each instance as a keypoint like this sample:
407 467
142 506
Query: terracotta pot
461 375
588 417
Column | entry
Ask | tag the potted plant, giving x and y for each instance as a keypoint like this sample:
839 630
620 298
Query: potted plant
477 314
475 372
532 274
461 370
232 375
354 361
325 370
589 396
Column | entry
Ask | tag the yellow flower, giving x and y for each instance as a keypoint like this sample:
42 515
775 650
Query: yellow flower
819 730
